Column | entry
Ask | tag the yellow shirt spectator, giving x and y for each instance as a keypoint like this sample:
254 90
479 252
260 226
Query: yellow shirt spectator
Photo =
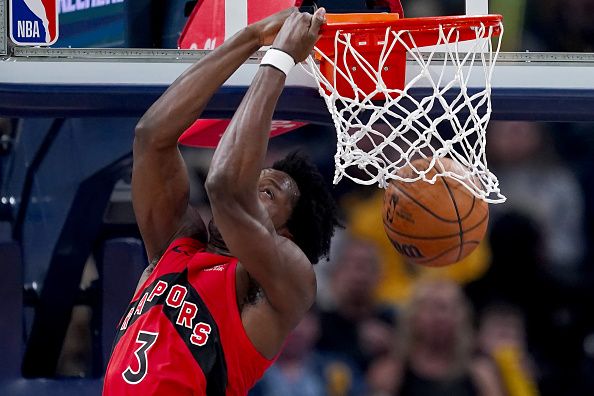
398 276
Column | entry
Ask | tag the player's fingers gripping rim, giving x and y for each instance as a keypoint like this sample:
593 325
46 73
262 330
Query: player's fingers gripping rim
317 20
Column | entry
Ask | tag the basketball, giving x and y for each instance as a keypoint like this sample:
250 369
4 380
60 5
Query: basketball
433 224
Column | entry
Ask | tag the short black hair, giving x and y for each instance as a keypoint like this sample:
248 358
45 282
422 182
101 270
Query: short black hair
315 214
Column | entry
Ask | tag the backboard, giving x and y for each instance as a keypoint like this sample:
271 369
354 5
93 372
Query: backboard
34 81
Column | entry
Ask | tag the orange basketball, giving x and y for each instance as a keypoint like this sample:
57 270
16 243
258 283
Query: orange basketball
433 224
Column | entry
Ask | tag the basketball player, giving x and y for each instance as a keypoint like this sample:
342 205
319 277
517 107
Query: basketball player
215 305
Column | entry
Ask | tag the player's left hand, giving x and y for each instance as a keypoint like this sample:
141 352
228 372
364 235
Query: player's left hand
299 34
267 28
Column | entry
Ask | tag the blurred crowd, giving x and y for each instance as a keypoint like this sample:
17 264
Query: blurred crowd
511 319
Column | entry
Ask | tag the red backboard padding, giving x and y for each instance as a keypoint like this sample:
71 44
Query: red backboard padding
208 132
206 28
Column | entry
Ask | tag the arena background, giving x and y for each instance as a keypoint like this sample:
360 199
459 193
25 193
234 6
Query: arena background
71 254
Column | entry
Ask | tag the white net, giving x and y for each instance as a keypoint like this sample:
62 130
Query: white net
441 112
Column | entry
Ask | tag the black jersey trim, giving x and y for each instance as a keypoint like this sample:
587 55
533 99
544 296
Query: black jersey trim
210 357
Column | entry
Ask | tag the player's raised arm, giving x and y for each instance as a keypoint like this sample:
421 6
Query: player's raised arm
249 205
160 186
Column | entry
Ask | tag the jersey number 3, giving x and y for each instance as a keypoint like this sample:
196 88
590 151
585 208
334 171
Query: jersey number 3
146 340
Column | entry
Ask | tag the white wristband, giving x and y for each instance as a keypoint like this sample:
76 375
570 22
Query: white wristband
279 60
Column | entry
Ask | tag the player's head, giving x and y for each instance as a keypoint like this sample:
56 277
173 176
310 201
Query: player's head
300 204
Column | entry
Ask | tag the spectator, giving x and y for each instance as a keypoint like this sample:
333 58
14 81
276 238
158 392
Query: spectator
436 356
537 184
301 371
516 277
355 326
517 259
398 276
502 339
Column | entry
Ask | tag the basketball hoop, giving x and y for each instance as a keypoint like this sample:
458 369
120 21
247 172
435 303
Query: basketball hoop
383 122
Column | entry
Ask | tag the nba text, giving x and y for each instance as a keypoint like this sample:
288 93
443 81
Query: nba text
29 29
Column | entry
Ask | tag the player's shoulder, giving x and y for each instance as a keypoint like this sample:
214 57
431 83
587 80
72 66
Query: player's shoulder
299 269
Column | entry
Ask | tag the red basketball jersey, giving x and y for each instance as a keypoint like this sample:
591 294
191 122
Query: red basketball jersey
182 333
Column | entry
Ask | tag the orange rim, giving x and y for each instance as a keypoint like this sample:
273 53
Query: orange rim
354 22
359 19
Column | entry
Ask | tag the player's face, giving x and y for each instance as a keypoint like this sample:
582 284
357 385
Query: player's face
279 193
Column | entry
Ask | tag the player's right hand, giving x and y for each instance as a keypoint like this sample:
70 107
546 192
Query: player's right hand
299 34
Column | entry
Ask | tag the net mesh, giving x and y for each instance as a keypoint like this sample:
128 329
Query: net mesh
434 115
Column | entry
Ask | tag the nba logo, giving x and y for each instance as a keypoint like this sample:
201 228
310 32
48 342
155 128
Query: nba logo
33 22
